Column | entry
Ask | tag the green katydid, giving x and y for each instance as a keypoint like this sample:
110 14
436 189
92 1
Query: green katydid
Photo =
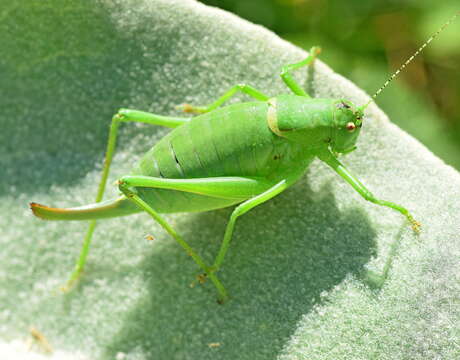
243 154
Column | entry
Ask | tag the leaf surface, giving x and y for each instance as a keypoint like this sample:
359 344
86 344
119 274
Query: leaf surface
297 266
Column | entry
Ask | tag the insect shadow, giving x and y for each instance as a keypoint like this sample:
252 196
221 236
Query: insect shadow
63 137
285 254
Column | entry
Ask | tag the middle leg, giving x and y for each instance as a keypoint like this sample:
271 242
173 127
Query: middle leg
287 76
249 90
123 115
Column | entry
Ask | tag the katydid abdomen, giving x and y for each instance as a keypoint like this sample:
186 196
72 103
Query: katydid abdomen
227 142
230 141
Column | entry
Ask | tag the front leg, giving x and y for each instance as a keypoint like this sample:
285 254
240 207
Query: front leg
335 164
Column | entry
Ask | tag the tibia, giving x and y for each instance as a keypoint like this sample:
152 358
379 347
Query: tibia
106 209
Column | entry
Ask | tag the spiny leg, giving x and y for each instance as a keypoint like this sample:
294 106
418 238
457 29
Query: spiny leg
335 164
289 79
249 90
259 190
123 115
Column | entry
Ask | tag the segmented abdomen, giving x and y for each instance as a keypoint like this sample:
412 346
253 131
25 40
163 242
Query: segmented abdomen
230 141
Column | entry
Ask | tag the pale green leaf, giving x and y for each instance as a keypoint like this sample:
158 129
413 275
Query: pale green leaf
298 267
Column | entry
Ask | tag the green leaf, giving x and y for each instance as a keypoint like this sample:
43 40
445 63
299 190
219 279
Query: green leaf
304 269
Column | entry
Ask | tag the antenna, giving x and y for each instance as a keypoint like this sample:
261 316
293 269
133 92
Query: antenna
408 61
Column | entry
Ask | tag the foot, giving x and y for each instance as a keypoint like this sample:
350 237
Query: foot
200 278
416 226
74 278
315 51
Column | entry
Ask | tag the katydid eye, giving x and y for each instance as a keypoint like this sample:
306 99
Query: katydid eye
350 126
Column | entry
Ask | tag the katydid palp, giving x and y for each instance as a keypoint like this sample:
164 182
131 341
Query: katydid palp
243 154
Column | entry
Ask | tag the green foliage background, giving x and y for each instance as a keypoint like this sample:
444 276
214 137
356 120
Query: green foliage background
366 41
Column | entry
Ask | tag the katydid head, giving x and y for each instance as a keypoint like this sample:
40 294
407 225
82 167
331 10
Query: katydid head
316 123
347 126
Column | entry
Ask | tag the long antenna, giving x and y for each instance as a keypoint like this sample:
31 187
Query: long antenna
408 61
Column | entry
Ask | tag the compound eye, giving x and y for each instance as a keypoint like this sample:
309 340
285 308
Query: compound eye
350 126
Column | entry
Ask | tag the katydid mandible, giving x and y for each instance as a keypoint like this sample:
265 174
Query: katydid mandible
197 168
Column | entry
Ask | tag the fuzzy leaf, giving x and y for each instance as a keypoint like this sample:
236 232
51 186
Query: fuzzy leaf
301 266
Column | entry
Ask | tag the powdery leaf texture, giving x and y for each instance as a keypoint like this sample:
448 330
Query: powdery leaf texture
297 266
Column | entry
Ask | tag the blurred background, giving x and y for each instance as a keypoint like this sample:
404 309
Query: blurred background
366 41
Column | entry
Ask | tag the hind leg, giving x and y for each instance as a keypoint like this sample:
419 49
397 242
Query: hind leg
123 115
254 191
